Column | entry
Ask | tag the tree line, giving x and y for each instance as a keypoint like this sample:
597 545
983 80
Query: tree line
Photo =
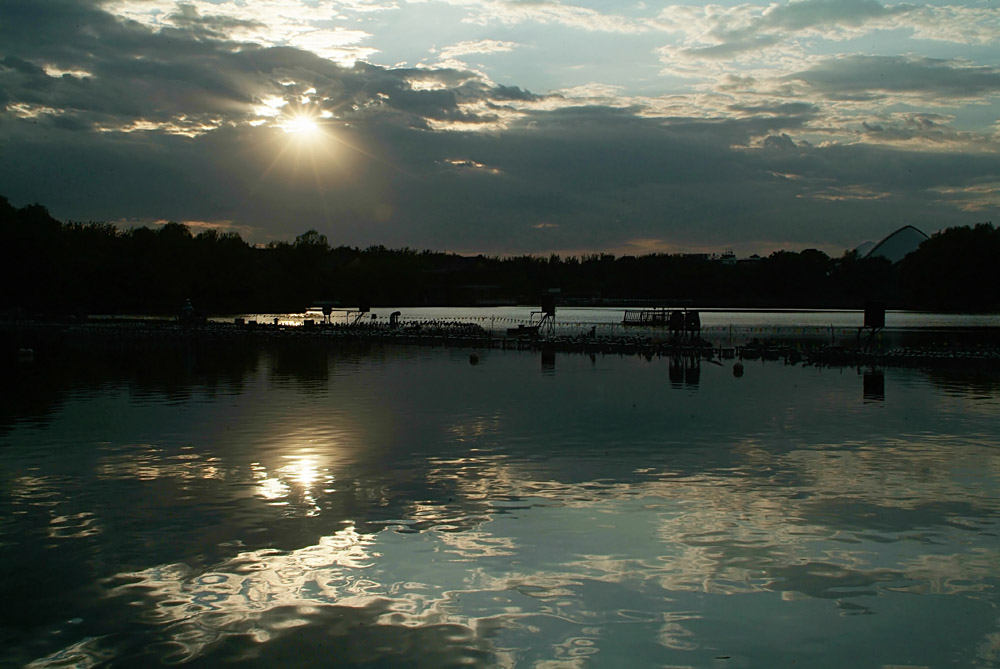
53 267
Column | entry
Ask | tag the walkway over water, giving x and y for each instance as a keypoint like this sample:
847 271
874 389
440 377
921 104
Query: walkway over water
836 346
575 320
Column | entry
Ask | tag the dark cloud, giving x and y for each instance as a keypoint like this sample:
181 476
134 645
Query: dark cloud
130 73
513 93
135 74
780 108
797 16
188 17
778 23
22 66
545 177
597 182
911 127
863 77
732 45
781 141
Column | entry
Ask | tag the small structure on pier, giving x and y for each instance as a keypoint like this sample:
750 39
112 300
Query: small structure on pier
692 323
546 321
547 314
326 306
873 324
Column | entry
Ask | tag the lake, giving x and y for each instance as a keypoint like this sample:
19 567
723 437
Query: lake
392 506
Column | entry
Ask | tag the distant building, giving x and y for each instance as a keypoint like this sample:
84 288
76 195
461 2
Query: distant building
894 247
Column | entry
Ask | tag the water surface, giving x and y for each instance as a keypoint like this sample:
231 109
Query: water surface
402 507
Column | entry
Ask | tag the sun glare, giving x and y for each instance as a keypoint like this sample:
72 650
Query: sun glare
302 125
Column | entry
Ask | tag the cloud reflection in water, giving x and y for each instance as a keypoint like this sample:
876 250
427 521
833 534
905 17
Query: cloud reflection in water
365 517
575 565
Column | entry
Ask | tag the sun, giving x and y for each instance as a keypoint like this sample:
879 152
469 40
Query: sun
301 125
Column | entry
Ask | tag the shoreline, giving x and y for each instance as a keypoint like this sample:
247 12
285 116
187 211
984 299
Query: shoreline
26 340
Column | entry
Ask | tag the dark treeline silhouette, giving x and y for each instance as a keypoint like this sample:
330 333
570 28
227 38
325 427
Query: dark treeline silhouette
51 267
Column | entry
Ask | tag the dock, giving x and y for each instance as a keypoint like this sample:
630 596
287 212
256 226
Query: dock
150 335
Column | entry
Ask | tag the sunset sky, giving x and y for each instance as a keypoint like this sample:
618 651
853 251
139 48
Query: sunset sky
507 126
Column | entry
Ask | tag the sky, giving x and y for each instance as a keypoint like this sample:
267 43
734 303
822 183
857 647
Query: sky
507 126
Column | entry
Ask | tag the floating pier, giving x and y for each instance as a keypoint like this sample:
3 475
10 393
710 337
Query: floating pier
146 334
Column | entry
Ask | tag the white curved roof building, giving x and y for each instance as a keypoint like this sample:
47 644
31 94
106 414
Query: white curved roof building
895 246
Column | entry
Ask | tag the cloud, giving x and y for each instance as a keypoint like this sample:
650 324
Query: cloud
186 81
781 141
187 17
512 12
956 24
339 45
180 116
975 198
470 166
486 46
771 32
719 32
848 192
595 177
923 130
594 92
840 14
861 77
777 108
262 22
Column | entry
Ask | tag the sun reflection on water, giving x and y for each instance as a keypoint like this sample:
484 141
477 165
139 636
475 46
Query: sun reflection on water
531 547
271 488
304 470
301 475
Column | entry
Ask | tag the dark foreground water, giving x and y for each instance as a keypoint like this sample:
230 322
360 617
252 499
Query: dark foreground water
404 508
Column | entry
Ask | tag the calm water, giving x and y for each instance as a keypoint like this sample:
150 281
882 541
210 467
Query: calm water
402 507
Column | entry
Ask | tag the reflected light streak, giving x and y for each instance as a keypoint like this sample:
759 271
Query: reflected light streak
476 428
300 468
711 532
272 489
303 471
147 462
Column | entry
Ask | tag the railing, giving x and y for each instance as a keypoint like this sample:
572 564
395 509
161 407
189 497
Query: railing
647 317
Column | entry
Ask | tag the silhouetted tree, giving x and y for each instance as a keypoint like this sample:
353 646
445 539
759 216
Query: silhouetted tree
48 266
857 280
956 269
